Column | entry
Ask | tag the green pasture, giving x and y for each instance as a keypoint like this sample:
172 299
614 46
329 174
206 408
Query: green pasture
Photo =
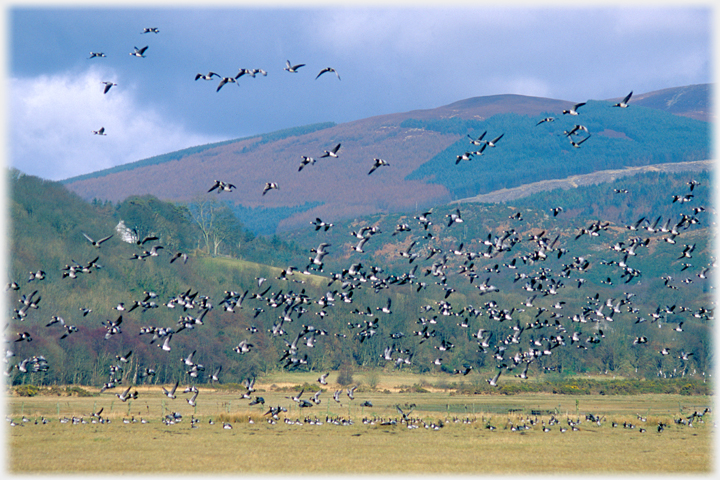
463 444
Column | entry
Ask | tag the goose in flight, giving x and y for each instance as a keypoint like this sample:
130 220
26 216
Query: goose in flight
270 186
108 86
306 161
573 110
493 381
150 30
577 144
326 70
478 141
94 243
292 68
379 162
191 400
493 142
100 132
224 81
323 378
209 76
171 393
624 102
222 186
96 55
546 119
126 395
139 52
575 130
331 153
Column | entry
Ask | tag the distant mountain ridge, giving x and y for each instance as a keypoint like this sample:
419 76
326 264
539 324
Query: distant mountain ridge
335 188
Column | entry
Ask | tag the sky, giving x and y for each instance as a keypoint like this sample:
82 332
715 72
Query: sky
389 59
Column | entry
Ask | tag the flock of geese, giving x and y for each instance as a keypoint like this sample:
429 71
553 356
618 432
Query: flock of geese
523 345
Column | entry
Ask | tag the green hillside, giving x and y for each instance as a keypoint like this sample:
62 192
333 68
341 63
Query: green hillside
438 299
529 152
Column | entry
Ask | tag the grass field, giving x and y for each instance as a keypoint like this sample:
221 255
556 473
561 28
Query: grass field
296 444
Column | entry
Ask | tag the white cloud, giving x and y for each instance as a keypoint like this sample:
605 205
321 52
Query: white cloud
51 119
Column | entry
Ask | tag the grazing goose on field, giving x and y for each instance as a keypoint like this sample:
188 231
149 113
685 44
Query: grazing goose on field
624 102
326 70
139 52
100 132
292 68
573 110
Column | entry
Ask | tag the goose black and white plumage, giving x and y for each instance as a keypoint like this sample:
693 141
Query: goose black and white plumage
209 76
493 381
573 109
306 161
379 162
94 243
221 186
139 52
326 70
478 141
546 119
624 102
577 144
100 132
96 55
171 393
270 186
292 68
108 86
150 30
575 130
493 142
224 81
331 153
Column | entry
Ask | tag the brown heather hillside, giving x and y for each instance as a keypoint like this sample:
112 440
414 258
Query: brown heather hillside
340 188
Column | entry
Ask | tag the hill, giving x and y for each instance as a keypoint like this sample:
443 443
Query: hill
421 147
582 285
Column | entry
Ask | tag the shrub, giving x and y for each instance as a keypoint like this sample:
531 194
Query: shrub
27 390
345 376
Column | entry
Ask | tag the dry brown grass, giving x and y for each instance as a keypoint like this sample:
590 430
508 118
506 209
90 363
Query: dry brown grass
360 448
